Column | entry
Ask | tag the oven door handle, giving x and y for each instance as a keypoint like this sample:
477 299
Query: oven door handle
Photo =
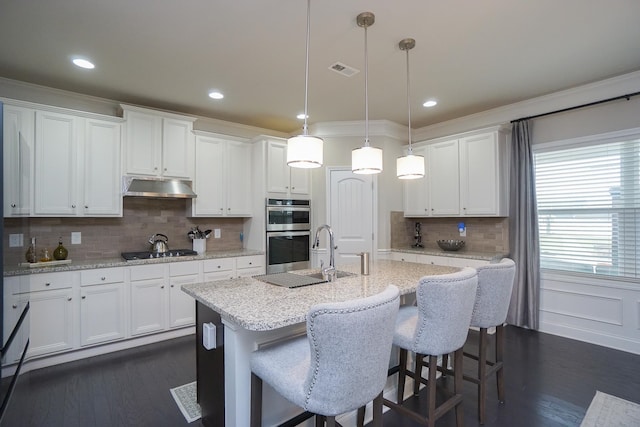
288 233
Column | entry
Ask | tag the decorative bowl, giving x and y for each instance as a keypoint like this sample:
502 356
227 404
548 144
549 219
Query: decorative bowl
451 245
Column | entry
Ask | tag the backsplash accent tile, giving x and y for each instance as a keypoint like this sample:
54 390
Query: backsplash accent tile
488 234
108 237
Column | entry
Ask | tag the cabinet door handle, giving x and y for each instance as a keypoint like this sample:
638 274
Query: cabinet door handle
47 284
162 287
293 188
69 299
86 207
165 169
172 286
13 205
15 306
84 297
73 206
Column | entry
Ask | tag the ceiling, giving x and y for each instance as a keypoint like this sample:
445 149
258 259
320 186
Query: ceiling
470 55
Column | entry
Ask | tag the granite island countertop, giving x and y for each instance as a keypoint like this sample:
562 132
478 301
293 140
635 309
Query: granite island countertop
119 262
463 253
259 306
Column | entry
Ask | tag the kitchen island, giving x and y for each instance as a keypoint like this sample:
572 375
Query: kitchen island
249 314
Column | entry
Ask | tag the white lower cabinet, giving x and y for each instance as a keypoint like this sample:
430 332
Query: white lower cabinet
148 299
182 307
250 266
51 317
102 306
79 309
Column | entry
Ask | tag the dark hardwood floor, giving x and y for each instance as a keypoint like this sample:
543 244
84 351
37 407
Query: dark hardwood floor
550 381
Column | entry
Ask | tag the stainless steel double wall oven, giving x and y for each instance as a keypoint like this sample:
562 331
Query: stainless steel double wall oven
288 234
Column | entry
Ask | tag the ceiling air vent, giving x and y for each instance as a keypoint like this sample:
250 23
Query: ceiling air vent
343 69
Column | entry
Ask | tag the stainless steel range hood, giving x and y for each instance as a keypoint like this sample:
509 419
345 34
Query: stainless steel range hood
157 188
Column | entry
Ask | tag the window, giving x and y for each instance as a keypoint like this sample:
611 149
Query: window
588 199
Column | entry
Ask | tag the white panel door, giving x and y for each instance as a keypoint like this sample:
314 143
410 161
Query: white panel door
351 214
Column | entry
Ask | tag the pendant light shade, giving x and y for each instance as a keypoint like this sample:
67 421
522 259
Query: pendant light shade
366 159
410 166
305 151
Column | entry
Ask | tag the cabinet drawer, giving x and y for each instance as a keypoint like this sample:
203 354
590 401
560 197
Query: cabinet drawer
101 275
146 272
250 261
184 268
218 264
46 281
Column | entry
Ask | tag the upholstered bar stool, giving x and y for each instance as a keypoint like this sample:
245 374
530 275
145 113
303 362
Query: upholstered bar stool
495 285
339 366
438 325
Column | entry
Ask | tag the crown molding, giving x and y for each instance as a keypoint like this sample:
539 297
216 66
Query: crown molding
603 89
385 128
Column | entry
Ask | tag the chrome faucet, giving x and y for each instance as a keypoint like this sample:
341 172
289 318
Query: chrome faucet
328 273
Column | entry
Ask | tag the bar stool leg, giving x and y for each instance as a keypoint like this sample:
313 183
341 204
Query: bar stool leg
360 417
457 384
445 364
256 401
417 374
431 391
499 361
377 411
331 421
482 374
402 372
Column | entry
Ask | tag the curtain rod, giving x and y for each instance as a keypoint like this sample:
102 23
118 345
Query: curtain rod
627 97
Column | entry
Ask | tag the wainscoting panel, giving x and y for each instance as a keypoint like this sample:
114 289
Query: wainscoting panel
602 312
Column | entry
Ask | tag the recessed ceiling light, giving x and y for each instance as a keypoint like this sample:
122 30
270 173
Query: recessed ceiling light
430 103
214 94
83 63
301 116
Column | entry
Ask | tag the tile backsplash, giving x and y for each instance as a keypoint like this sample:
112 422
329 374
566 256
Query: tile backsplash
483 234
108 237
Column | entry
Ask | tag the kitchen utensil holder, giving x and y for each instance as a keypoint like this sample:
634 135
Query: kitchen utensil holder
200 246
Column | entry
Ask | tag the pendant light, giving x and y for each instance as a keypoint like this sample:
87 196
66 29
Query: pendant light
366 159
305 151
409 166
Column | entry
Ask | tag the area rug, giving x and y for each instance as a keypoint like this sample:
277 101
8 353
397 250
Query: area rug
610 411
185 397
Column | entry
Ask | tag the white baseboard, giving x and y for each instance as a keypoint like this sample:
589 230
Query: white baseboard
590 336
73 355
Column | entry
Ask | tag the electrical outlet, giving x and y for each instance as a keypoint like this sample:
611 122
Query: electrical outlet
216 233
16 240
76 237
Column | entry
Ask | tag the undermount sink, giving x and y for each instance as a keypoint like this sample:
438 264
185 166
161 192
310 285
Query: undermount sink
339 274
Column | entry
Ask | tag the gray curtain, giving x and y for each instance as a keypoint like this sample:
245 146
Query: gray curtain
523 230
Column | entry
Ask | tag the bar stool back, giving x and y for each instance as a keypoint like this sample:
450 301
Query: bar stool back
438 325
339 366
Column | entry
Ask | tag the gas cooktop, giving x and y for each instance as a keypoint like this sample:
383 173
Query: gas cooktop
173 253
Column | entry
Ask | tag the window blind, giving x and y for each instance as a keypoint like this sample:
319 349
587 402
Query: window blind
588 201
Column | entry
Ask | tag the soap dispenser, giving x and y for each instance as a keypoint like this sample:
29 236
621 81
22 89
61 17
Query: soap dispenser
60 252
32 255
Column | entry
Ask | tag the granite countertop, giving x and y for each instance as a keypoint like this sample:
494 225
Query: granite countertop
436 251
260 306
119 262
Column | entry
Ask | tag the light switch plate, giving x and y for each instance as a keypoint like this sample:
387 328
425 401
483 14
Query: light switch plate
216 233
76 237
16 240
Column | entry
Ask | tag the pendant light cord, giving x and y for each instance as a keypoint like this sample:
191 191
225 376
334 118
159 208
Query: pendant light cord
306 73
366 90
409 104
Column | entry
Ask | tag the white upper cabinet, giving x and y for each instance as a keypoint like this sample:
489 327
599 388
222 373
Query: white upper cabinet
222 177
466 176
77 166
282 180
481 192
416 191
445 178
18 143
158 144
56 172
101 169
